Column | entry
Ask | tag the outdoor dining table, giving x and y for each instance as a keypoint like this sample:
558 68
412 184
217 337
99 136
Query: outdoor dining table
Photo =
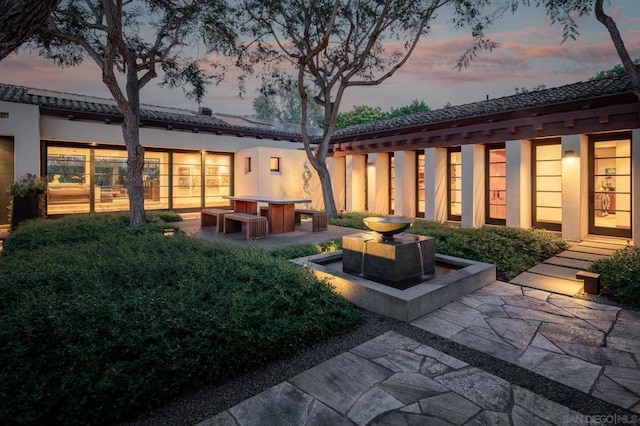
281 211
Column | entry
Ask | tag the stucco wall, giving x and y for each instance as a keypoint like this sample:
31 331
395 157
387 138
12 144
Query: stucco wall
22 125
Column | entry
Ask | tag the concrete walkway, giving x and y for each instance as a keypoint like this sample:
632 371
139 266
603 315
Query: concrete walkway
393 380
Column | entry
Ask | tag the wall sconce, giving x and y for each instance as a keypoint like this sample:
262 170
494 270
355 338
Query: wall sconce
569 153
167 232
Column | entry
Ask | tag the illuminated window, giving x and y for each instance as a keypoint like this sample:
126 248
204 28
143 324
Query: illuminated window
274 164
454 183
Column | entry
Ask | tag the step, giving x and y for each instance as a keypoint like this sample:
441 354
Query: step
555 271
593 250
581 256
582 265
550 284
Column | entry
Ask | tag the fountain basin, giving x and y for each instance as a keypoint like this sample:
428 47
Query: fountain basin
387 226
464 276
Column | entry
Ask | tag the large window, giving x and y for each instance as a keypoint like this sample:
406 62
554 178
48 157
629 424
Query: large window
610 186
496 184
454 183
217 178
420 159
392 183
547 185
87 179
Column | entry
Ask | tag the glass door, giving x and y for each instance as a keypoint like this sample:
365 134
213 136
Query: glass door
454 184
610 186
496 184
420 159
547 185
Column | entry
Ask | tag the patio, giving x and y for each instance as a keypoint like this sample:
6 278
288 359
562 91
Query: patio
542 358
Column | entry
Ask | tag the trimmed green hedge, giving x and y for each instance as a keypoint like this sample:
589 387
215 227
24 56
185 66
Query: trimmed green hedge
620 275
512 250
98 331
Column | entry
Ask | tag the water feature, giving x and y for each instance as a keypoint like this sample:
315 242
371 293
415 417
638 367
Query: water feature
384 272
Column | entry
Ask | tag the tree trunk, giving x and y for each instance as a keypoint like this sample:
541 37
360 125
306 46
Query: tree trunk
135 164
627 62
21 18
327 189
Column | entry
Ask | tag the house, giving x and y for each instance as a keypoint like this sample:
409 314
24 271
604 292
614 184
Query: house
565 159
561 159
192 159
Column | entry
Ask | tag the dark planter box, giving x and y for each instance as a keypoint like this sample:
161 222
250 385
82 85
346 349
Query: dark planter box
25 208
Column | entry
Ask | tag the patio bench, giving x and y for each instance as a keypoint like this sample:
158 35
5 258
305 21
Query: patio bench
213 217
256 226
591 281
319 219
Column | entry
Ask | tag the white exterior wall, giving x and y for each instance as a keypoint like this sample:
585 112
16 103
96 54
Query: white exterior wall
435 182
287 183
575 188
356 166
381 164
518 183
22 125
337 170
473 214
405 184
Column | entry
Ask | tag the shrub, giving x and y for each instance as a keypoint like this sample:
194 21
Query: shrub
620 275
96 331
83 227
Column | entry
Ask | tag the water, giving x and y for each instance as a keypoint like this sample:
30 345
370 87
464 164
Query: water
421 259
364 252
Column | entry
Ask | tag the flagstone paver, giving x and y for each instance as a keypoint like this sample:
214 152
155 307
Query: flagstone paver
589 346
350 389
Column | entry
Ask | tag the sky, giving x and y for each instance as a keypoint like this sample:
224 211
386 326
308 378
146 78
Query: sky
531 53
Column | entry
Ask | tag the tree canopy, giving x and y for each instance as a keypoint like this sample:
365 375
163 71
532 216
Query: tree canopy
282 104
361 114
331 46
20 19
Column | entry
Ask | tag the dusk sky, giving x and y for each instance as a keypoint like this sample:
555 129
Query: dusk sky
530 54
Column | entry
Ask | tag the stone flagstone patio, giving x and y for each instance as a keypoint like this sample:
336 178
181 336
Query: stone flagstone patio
394 380
585 345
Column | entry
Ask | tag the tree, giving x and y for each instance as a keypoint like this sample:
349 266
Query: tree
358 115
281 103
563 12
334 45
109 32
365 114
19 19
612 72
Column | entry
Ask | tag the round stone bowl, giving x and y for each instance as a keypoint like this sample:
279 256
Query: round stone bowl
388 226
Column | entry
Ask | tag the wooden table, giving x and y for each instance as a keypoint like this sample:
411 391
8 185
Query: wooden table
281 216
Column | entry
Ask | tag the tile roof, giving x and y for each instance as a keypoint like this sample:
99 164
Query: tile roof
541 98
69 102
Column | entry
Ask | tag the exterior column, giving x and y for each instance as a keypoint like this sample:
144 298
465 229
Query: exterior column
356 166
337 169
575 187
473 214
635 187
435 182
381 190
405 174
519 183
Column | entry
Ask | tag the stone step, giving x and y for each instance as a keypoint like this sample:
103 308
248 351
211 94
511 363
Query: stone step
582 265
593 250
581 256
555 271
550 284
603 245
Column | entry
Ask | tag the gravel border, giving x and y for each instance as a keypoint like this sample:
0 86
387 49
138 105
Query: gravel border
201 405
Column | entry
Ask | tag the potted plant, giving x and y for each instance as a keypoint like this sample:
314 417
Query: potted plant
26 198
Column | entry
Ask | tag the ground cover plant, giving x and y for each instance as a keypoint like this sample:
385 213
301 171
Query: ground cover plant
620 275
97 329
512 250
